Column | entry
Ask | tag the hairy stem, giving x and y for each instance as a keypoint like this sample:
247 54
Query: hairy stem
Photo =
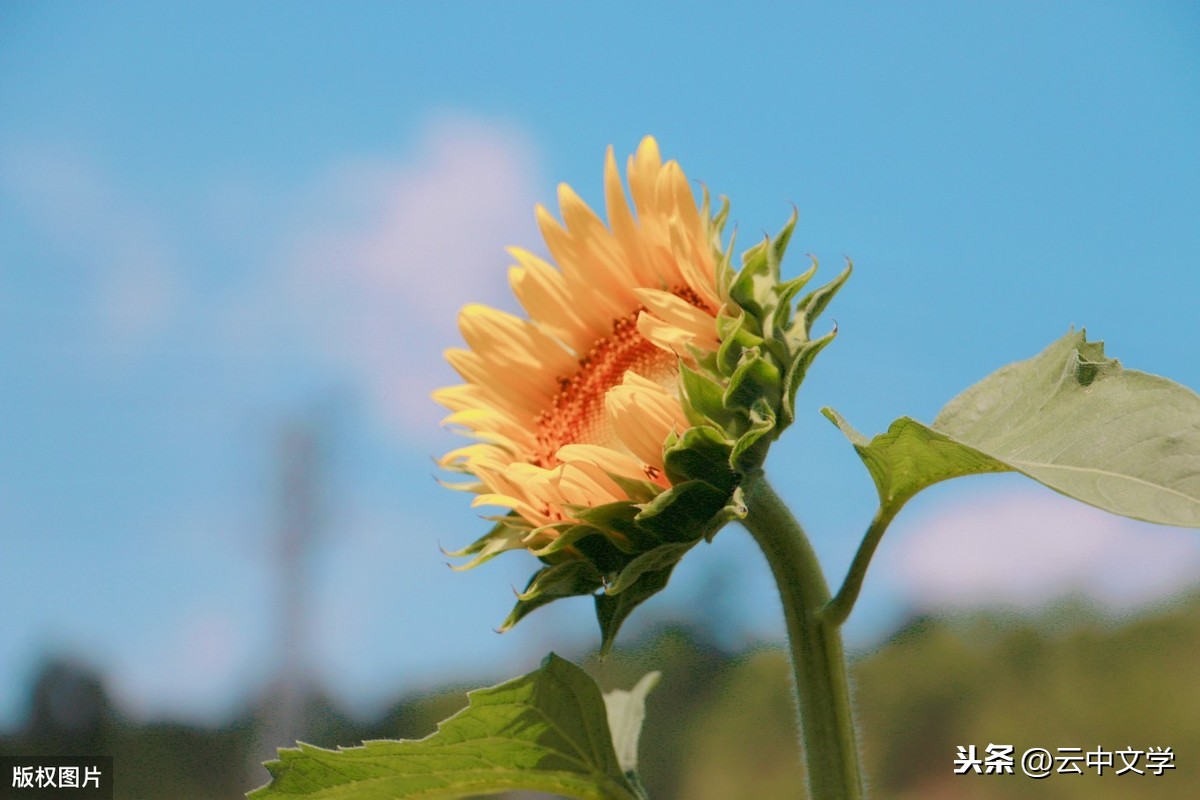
838 609
818 661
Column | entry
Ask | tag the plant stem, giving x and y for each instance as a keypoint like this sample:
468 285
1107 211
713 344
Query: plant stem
839 607
818 661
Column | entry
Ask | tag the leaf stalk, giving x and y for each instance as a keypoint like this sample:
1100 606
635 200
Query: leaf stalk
838 609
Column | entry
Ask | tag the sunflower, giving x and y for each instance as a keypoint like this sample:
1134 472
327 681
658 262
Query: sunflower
572 405
619 424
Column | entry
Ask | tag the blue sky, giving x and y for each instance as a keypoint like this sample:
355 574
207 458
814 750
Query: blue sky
218 219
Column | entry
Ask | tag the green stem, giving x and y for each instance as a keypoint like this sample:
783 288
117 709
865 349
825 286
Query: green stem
839 607
826 724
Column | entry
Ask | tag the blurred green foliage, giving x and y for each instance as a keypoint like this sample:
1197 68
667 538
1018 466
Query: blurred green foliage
720 724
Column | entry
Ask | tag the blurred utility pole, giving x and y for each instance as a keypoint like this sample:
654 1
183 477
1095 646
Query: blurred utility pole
301 480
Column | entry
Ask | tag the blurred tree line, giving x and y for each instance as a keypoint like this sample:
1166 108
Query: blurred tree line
720 727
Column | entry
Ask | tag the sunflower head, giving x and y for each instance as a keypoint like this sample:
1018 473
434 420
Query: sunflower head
617 425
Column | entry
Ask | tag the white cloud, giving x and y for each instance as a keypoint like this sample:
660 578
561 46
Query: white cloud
1027 547
388 251
356 278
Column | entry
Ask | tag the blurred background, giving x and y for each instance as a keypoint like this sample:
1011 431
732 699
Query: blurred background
233 241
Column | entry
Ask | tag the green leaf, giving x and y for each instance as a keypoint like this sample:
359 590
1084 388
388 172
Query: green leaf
1070 418
546 731
626 712
911 457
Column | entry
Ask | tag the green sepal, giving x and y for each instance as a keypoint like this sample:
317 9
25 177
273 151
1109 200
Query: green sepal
701 453
755 287
507 534
685 512
613 610
750 450
703 398
754 378
636 490
568 579
601 551
738 334
796 372
620 520
567 537
764 354
721 217
661 557
811 306
691 506
787 292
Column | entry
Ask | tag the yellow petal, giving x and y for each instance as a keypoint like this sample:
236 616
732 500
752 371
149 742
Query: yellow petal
542 291
607 459
679 313
511 343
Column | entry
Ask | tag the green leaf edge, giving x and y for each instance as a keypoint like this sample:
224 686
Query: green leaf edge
1085 356
596 785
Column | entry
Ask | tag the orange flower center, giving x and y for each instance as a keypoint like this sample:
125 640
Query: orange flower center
577 414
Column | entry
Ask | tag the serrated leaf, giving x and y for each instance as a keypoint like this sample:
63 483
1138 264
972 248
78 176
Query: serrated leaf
546 731
1070 418
626 713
